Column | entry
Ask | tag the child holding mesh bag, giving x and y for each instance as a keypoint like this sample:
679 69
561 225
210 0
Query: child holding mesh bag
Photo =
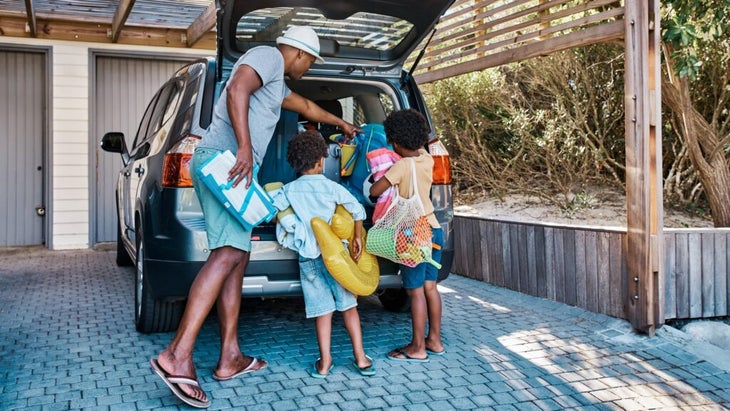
407 131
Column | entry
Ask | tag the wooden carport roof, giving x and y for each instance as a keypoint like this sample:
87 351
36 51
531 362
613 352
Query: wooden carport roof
166 23
473 35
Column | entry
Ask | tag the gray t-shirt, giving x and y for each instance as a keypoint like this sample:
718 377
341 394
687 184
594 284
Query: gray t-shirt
264 106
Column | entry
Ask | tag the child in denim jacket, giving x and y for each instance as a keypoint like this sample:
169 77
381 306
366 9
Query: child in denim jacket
314 195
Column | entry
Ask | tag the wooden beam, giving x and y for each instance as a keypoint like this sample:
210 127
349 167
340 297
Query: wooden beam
644 300
465 28
513 41
469 12
98 33
120 17
30 11
202 24
487 19
592 35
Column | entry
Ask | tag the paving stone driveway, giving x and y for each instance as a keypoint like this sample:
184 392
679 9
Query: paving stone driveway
67 341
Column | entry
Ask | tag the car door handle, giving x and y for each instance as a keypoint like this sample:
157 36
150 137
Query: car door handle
139 170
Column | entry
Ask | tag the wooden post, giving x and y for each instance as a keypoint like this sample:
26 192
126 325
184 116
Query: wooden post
644 294
655 145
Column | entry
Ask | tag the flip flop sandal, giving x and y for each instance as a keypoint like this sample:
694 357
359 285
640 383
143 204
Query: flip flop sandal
406 357
438 353
251 368
315 372
368 371
173 382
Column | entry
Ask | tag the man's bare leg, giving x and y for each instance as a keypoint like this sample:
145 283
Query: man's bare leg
228 306
177 358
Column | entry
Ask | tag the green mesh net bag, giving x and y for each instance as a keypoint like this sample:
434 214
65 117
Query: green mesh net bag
403 234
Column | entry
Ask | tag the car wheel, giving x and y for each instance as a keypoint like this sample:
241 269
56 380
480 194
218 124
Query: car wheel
151 315
123 258
395 299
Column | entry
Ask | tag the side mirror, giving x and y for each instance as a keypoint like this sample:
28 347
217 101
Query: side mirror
113 142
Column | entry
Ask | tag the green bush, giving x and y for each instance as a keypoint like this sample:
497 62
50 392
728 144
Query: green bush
548 127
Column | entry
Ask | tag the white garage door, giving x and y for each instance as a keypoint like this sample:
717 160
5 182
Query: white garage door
22 135
123 89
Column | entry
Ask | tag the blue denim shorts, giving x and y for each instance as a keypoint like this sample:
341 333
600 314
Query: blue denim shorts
414 277
221 227
322 293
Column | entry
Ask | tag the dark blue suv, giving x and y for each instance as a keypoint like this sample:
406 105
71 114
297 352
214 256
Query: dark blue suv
161 228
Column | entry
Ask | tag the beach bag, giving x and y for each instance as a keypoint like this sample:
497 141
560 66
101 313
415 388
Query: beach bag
403 234
372 138
249 206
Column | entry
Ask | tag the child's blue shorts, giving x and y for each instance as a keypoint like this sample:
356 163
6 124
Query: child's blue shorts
414 277
322 293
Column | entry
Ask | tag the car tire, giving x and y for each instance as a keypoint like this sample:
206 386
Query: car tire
151 315
395 300
123 258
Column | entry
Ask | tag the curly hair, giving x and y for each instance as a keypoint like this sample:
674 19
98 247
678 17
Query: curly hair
305 150
408 128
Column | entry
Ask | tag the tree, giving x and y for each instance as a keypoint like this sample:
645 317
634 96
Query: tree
695 46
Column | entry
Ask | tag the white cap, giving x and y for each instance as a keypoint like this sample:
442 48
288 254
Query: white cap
303 38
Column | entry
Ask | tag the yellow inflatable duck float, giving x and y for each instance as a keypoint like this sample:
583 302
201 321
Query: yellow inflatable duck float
360 278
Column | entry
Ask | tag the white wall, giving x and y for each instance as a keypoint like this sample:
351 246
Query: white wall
69 133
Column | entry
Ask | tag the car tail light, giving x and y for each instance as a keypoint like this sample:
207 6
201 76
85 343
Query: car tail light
176 168
441 162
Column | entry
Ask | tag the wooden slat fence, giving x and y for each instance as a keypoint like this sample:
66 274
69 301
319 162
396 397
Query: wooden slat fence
586 267
697 272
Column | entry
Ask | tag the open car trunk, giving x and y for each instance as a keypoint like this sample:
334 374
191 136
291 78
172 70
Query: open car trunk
360 34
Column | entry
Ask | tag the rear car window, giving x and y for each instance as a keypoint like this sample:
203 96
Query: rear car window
364 31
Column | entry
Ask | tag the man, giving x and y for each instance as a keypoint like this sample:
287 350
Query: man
244 120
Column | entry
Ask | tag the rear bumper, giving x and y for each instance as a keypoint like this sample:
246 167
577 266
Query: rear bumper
177 247
171 280
267 274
